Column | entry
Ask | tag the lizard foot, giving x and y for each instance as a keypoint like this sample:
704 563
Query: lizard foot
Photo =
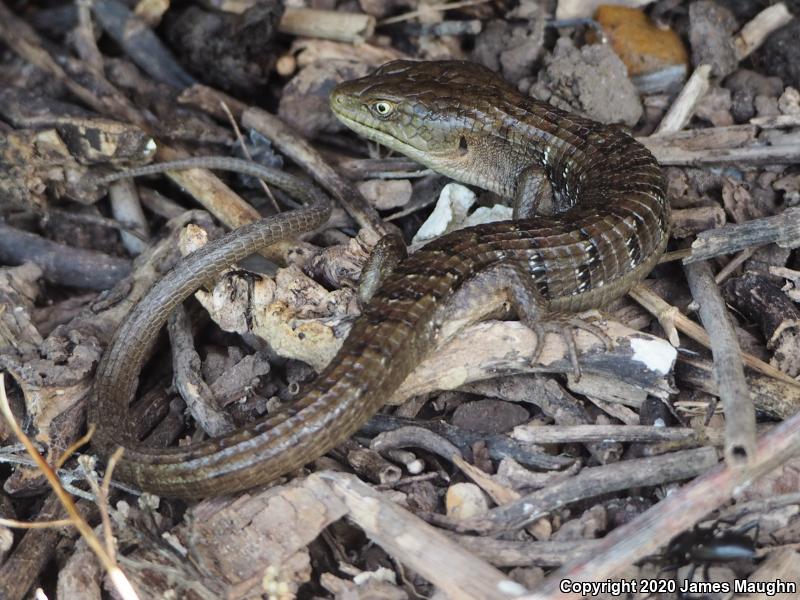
564 326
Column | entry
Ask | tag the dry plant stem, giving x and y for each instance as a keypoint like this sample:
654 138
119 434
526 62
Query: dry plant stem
80 218
685 104
753 155
13 523
413 465
690 221
376 168
507 553
84 439
675 255
214 195
125 206
159 204
85 38
740 416
429 9
772 396
555 434
782 229
123 586
720 138
589 483
499 446
622 413
243 146
188 380
741 509
33 552
755 31
64 265
100 492
65 475
499 493
217 198
456 572
370 465
658 307
733 144
140 43
102 502
776 121
300 151
736 262
414 437
677 512
558 404
353 28
723 145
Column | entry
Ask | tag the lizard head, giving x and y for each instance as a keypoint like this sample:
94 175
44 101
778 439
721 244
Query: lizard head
425 110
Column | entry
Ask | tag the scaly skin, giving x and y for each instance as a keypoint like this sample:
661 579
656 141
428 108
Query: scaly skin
464 121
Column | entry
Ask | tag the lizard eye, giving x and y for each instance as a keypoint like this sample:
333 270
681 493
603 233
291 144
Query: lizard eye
382 108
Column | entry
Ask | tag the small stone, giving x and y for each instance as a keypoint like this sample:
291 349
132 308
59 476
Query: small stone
715 106
711 29
744 10
780 54
766 106
745 85
790 186
789 102
639 42
527 576
422 496
465 500
383 8
512 49
385 194
489 416
591 80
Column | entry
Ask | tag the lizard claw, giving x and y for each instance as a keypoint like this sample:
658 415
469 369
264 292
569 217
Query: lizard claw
564 326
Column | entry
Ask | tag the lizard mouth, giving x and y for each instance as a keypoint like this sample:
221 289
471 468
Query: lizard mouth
377 135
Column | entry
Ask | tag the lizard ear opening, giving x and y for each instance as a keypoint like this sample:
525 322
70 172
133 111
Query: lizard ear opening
462 145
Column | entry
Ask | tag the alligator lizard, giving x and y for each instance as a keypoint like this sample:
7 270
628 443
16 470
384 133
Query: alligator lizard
463 121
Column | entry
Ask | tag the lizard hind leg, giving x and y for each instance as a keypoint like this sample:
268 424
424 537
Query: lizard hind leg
565 325
533 311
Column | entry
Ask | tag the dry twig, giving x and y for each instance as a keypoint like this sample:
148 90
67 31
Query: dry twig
740 417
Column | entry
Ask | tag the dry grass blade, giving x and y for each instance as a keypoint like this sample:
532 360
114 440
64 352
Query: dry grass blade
35 524
428 9
121 583
73 447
